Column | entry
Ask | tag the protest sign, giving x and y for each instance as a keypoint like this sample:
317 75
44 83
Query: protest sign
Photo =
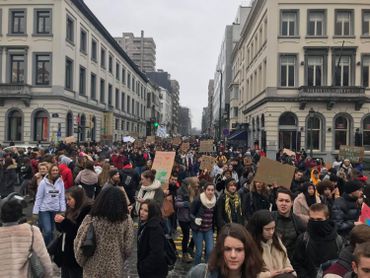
207 162
138 144
206 146
354 154
270 171
70 140
185 147
176 141
163 164
150 140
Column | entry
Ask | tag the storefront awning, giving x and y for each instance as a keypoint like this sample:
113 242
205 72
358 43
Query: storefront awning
240 135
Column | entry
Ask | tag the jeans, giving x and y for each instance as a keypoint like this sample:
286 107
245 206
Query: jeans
199 237
185 228
46 223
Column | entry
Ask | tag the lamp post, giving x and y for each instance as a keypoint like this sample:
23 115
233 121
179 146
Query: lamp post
219 114
311 114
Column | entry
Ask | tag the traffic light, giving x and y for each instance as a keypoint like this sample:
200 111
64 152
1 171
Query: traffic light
156 124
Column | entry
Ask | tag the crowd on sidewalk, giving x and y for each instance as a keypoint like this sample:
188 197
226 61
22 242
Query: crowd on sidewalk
87 198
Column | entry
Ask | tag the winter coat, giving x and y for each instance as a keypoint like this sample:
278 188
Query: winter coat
343 265
182 204
254 202
221 215
151 261
9 180
69 228
15 242
66 175
87 177
345 213
113 246
130 180
301 209
138 160
201 271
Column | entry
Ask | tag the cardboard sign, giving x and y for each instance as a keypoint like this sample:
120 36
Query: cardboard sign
289 152
354 154
70 140
207 162
206 146
271 171
176 141
150 140
185 147
163 164
138 144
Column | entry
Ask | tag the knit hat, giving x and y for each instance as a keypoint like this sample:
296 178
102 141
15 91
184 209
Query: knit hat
352 186
113 173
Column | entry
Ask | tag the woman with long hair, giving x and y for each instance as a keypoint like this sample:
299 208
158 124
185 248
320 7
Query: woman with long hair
258 198
43 168
78 206
9 177
304 200
274 254
50 200
114 235
151 261
235 255
104 175
202 211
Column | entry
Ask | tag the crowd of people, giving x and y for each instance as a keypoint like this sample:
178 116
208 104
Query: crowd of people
87 200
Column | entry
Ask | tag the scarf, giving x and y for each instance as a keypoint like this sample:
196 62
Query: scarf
206 202
232 201
147 192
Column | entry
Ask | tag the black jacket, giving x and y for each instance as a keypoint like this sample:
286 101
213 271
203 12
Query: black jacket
138 160
130 180
221 216
151 261
8 180
70 228
254 202
345 213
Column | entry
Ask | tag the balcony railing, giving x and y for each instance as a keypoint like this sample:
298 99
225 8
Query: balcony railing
331 90
18 91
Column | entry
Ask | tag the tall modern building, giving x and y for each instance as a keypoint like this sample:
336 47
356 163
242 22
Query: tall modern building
210 126
303 70
142 50
185 121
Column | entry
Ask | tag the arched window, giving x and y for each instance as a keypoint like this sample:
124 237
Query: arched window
366 132
41 126
288 132
15 120
288 118
342 127
93 129
314 127
69 124
83 128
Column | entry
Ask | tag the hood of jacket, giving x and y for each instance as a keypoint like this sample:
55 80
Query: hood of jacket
63 167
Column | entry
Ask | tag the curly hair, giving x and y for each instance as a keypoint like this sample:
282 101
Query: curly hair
253 263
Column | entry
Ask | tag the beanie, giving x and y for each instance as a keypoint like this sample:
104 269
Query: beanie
112 173
352 186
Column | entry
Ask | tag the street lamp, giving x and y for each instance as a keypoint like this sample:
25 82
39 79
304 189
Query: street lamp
311 114
219 114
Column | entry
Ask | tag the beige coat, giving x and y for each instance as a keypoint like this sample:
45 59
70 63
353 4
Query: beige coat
301 209
15 242
113 246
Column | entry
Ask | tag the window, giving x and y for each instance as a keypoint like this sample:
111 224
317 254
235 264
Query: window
137 109
69 74
366 133
43 69
93 86
82 89
83 41
132 106
316 23
17 22
110 64
287 71
123 102
70 29
315 70
102 91
123 125
365 71
128 104
341 132
366 23
342 69
117 99
129 80
123 75
133 83
43 22
117 71
110 94
343 23
289 23
15 131
17 68
117 124
41 126
94 50
314 132
69 126
102 58
128 126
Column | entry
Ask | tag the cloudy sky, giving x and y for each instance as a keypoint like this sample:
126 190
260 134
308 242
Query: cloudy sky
188 35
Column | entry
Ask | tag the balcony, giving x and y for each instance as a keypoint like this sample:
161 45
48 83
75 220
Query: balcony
15 91
332 95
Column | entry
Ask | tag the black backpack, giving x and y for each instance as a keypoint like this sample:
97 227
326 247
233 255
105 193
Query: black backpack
170 251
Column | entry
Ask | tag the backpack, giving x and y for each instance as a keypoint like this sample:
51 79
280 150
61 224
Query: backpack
324 266
170 251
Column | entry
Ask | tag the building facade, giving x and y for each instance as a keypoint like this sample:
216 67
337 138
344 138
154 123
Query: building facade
210 126
142 50
303 69
185 121
62 74
166 110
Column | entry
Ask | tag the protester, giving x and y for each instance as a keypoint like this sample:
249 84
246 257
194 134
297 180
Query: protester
304 201
361 262
15 242
202 215
365 210
43 168
104 177
130 180
326 192
151 261
256 199
66 173
9 177
235 255
88 179
50 200
262 228
114 235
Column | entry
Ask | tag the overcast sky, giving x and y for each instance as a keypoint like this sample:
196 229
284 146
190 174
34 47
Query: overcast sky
188 35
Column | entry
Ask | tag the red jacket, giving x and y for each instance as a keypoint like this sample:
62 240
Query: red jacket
66 175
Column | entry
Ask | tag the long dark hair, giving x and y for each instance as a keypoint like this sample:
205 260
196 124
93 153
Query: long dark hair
81 201
154 210
255 226
253 263
110 204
